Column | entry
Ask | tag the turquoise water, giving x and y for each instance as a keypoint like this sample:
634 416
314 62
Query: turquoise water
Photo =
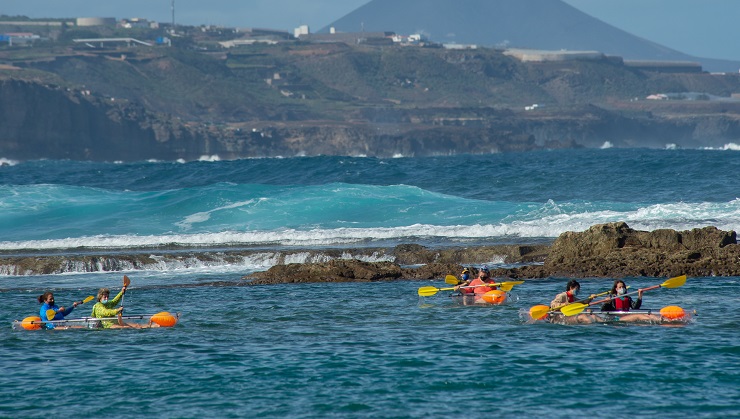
362 349
336 201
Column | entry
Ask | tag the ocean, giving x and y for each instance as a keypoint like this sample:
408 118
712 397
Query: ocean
359 349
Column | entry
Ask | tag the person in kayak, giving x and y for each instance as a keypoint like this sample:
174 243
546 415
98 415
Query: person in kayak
464 276
572 289
482 284
621 302
47 303
106 308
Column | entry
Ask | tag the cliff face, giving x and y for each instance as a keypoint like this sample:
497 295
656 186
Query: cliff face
38 121
339 100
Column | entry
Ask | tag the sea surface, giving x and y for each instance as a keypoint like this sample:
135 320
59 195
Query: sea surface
360 349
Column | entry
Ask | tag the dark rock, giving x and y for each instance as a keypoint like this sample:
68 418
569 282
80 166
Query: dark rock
615 250
610 250
606 250
332 271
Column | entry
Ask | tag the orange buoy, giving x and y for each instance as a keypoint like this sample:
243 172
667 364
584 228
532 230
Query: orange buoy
164 319
672 312
31 323
539 308
494 297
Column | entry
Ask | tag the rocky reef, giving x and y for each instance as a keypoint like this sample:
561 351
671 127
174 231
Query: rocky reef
612 250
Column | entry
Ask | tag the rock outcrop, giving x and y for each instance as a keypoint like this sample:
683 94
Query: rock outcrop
611 250
616 250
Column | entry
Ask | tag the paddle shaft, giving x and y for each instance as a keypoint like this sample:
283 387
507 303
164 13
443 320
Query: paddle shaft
126 283
51 313
614 297
541 312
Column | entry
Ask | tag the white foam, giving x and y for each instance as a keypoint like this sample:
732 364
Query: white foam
7 162
548 221
728 146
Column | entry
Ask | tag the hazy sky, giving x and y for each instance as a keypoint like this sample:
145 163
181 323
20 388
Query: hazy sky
703 28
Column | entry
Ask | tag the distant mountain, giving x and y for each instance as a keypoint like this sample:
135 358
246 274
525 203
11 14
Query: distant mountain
534 24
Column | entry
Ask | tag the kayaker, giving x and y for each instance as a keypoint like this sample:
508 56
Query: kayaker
47 303
464 281
621 302
106 308
480 286
481 283
464 276
572 289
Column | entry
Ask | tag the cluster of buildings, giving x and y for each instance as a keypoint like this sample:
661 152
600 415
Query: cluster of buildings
302 33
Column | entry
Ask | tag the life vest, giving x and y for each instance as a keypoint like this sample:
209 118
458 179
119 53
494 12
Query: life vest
570 296
622 304
484 288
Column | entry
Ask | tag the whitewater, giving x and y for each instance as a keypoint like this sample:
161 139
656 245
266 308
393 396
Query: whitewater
345 201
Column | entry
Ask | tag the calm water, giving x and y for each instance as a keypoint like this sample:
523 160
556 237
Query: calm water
366 349
371 350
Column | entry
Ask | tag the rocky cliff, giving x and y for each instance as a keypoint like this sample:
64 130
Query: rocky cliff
311 99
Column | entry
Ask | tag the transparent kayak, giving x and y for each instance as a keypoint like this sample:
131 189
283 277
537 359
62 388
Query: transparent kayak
140 321
665 315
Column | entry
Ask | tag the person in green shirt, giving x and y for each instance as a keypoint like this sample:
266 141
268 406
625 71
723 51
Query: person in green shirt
106 308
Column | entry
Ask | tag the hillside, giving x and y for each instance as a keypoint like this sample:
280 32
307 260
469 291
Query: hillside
293 98
532 24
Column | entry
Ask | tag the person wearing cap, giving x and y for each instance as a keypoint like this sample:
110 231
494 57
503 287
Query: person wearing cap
464 276
481 285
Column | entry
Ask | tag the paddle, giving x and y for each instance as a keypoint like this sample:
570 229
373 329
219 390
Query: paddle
126 283
537 312
504 286
575 308
50 313
452 279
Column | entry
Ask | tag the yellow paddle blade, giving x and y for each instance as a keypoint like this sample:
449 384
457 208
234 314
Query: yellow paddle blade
539 312
428 291
514 282
88 299
674 282
50 314
573 309
451 279
508 285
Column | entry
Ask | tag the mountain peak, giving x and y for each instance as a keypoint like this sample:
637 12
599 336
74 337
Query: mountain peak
534 24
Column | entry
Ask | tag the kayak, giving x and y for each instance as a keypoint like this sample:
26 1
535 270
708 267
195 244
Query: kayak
665 315
495 297
141 321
